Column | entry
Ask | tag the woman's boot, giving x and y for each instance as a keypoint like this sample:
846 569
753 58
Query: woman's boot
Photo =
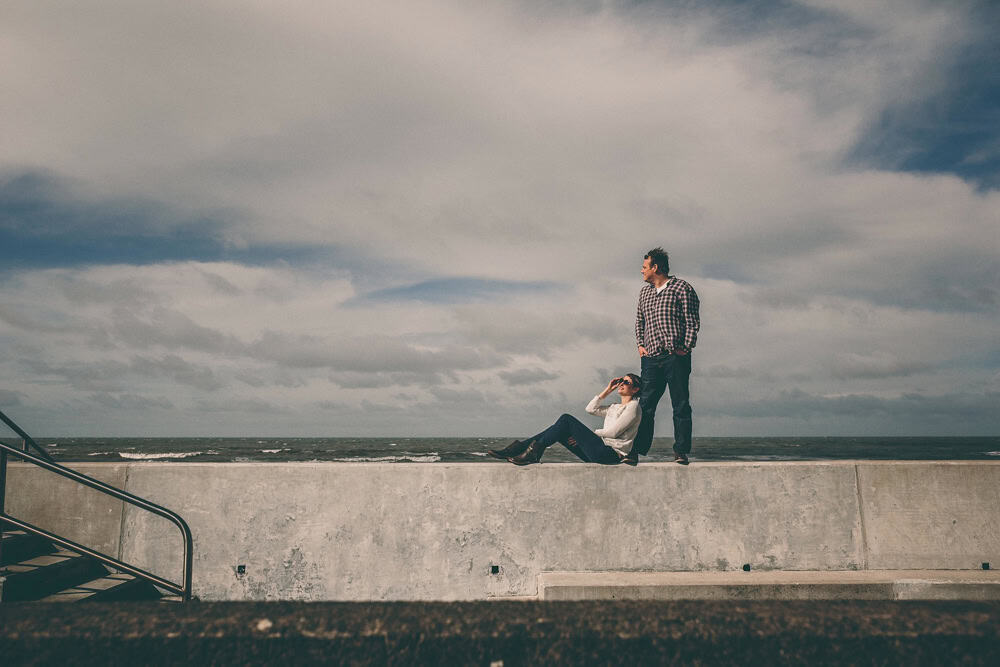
533 454
513 449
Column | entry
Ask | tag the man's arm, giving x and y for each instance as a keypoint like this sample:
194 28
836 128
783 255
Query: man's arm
692 319
640 327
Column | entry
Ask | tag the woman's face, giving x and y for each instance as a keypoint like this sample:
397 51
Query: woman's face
627 388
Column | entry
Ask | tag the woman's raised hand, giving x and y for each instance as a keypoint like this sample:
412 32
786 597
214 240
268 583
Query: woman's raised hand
611 386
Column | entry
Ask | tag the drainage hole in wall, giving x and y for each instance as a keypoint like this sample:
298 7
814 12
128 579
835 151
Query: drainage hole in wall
494 569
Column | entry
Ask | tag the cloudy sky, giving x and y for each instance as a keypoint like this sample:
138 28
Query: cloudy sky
427 218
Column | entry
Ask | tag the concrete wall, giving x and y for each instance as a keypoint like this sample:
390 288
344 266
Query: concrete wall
371 531
67 508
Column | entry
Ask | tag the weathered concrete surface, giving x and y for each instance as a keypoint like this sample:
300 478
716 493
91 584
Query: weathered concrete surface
369 531
67 508
507 633
852 585
941 515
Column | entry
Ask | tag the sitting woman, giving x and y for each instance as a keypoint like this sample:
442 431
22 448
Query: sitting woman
607 445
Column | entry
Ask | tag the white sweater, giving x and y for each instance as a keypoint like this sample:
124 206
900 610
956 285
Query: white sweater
621 422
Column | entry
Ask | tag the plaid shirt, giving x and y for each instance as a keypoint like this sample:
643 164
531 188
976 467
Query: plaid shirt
668 320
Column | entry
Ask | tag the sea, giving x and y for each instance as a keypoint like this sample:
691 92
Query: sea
472 450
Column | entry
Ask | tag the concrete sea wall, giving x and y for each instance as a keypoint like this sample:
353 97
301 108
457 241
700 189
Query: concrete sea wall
372 531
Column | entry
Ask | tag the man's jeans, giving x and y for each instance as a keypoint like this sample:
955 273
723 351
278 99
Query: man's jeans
658 374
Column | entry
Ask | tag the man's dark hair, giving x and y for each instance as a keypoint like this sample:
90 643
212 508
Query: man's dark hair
658 257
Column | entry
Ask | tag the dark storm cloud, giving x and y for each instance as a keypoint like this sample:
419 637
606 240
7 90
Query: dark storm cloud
10 398
849 366
951 408
456 289
523 330
249 406
115 376
270 377
177 369
170 329
723 371
366 354
526 376
103 376
131 402
387 379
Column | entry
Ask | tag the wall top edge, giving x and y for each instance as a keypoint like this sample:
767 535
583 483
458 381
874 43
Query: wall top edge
695 465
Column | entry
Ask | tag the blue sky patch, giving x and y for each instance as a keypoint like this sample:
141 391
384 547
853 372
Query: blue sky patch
42 225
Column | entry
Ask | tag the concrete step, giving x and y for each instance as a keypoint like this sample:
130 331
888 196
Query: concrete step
113 587
739 585
37 577
18 545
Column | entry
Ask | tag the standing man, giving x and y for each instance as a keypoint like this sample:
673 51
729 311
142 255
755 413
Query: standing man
666 330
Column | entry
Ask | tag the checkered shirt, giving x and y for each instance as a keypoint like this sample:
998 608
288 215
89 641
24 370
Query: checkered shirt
668 320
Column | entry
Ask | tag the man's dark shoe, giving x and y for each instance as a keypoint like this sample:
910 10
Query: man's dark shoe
631 460
533 454
681 459
513 449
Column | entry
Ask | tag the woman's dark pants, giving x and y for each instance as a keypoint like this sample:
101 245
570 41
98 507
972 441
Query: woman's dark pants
665 371
589 446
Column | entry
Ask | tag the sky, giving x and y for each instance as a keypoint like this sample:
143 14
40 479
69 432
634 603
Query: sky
427 218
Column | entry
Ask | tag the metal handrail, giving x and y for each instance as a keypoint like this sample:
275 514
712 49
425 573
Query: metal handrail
25 438
184 589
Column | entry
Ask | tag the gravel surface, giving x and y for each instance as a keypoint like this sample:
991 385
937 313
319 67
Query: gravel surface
502 633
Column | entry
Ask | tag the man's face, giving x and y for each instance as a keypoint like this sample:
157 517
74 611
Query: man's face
648 271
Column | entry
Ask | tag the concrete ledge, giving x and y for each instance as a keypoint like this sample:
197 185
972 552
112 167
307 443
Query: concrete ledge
473 531
849 585
502 633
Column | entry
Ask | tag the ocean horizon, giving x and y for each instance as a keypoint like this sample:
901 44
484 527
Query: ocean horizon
473 449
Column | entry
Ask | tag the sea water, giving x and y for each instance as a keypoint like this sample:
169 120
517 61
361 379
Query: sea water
470 450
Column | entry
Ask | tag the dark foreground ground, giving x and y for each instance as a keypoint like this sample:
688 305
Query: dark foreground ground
502 633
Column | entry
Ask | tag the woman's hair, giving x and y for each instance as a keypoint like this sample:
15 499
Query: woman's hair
636 380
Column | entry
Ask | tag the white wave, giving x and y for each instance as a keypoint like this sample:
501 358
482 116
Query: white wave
275 451
477 453
767 457
162 455
389 459
992 453
99 453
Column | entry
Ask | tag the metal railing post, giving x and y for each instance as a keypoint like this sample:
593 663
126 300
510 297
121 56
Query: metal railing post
3 496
